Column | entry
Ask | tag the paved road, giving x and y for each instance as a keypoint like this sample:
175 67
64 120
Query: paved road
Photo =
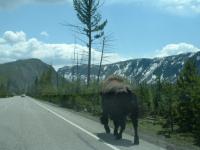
27 124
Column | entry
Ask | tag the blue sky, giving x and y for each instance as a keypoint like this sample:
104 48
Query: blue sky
139 28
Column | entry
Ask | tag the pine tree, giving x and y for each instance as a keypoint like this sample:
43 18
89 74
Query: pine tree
3 87
3 92
45 85
87 13
196 110
187 90
157 96
144 99
168 105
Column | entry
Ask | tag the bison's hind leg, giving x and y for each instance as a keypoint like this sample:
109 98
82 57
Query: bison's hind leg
104 121
135 126
119 123
116 127
122 123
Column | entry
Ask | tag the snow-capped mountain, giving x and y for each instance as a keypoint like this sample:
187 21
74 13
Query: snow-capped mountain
144 69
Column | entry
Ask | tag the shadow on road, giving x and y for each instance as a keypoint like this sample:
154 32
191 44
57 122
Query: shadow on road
109 138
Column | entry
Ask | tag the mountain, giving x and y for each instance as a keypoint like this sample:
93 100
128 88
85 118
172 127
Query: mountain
21 74
144 69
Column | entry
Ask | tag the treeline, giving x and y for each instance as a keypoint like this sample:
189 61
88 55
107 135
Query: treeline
70 94
175 106
3 87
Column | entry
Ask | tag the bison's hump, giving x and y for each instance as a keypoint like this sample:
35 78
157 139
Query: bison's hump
115 84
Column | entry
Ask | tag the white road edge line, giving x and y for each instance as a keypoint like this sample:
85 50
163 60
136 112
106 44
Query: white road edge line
75 125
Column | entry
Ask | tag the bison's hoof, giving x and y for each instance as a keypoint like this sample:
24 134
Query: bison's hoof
107 130
118 137
115 134
136 141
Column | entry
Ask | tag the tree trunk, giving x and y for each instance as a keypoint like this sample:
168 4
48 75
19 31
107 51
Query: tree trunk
89 44
89 59
102 52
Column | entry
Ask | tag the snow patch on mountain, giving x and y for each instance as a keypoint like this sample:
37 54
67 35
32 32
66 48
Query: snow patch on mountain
148 72
139 70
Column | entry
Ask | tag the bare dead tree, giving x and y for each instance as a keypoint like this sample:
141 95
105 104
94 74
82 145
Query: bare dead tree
101 60
105 45
77 66
73 71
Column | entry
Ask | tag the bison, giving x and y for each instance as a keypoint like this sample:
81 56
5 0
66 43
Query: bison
118 102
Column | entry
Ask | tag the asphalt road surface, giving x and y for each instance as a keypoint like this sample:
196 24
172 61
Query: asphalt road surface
27 124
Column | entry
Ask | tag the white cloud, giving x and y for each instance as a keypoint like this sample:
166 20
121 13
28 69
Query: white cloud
178 7
181 7
44 33
15 45
14 37
175 49
8 4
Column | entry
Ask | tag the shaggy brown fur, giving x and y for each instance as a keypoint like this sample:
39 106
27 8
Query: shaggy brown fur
115 84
